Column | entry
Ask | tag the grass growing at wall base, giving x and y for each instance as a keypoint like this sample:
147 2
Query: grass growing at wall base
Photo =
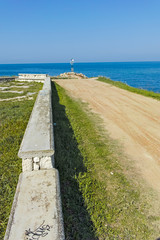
129 88
14 117
99 202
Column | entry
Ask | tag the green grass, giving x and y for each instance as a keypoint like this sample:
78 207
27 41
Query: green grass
14 117
99 201
129 88
11 86
6 95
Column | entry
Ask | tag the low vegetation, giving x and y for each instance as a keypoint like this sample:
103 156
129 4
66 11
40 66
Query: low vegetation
14 117
129 88
10 87
99 200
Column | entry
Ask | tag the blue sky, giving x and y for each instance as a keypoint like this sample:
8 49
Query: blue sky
41 31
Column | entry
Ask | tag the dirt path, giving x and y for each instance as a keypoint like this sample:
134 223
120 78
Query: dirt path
131 118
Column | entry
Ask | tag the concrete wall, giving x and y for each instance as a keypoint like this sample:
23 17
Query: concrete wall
7 79
31 77
37 148
36 210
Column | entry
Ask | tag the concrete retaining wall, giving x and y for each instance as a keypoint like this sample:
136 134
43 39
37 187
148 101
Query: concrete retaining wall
37 148
31 77
7 79
36 210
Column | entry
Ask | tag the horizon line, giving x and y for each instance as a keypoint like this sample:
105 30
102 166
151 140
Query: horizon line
79 62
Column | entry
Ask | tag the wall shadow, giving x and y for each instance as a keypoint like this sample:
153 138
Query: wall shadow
69 162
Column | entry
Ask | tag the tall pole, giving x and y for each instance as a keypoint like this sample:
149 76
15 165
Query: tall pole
72 62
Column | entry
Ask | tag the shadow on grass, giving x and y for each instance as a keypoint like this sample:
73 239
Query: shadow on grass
69 162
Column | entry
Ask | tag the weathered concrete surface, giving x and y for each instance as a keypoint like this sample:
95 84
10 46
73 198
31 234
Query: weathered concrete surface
47 84
36 163
38 142
7 79
31 77
36 210
38 138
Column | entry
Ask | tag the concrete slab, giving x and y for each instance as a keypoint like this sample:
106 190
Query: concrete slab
38 138
36 210
31 77
47 84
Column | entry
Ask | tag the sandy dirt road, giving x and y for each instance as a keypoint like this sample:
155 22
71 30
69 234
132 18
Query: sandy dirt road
131 118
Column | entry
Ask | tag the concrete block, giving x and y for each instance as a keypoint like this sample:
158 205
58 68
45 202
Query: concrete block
36 166
36 163
46 163
36 211
31 77
27 164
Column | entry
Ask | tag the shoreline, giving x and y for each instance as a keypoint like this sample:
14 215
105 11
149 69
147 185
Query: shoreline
120 84
145 75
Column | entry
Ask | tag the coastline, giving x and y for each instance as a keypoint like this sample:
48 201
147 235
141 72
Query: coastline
118 147
145 75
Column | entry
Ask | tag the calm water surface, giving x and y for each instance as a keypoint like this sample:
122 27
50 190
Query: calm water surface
144 75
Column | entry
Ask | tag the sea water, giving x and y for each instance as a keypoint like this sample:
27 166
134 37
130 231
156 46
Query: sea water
145 75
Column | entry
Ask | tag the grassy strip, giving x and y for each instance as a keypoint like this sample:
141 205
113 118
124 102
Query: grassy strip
98 200
6 95
32 87
129 88
14 117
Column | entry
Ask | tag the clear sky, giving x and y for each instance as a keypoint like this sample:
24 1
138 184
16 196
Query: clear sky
43 31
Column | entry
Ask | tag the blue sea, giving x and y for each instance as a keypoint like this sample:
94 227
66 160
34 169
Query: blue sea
145 75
